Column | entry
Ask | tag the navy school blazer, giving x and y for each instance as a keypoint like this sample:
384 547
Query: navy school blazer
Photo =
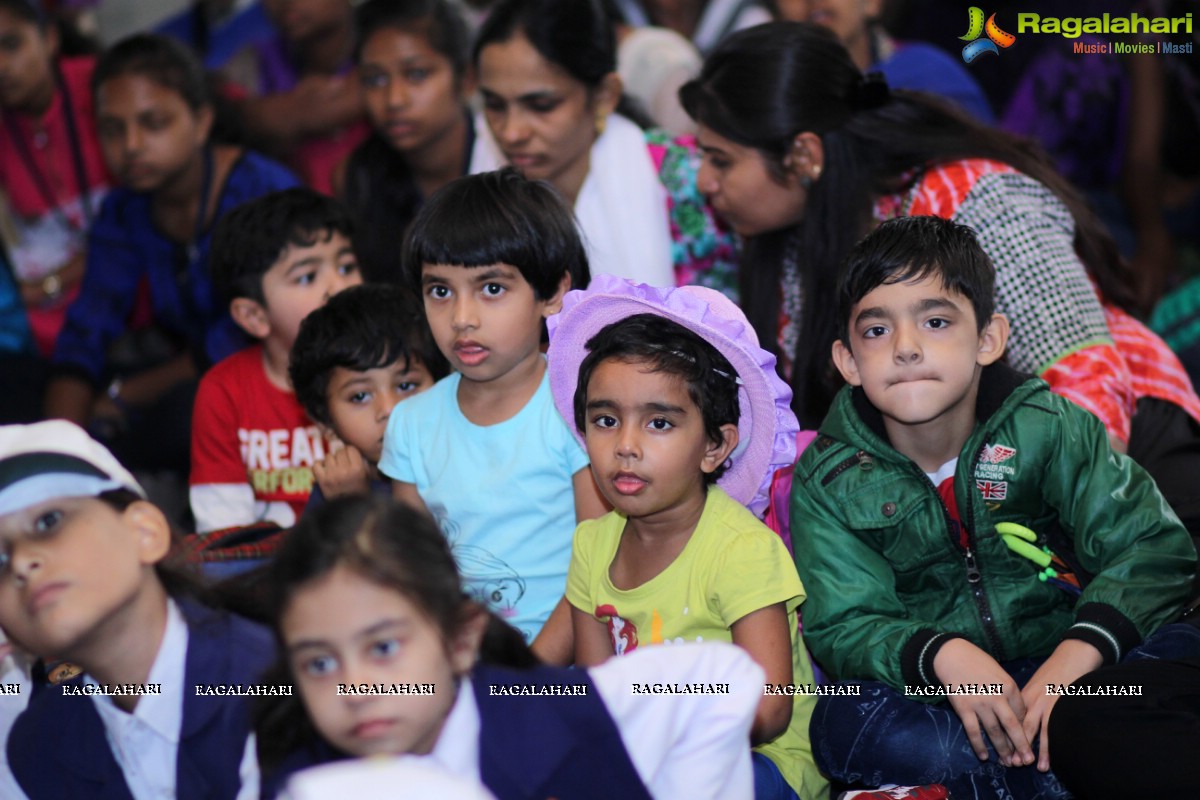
58 749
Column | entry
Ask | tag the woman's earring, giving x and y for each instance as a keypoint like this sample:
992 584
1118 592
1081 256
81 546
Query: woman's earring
816 172
601 122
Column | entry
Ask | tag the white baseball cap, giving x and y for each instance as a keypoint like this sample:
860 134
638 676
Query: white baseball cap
56 458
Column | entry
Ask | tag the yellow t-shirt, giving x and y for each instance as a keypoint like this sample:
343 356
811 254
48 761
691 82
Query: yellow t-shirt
731 566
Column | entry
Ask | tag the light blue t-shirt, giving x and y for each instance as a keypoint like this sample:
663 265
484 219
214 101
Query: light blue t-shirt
502 493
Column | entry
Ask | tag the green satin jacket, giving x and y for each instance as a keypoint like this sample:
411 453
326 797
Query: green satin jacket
890 580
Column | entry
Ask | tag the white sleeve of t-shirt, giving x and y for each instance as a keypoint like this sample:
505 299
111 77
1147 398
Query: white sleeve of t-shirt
686 745
216 506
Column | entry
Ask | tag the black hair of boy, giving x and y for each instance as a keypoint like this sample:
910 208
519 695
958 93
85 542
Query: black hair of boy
249 239
499 218
165 60
670 348
361 328
912 249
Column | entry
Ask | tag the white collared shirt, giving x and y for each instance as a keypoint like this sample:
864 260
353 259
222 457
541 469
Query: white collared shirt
457 748
145 743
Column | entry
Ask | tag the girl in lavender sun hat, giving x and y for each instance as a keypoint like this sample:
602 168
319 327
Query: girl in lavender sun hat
766 427
685 421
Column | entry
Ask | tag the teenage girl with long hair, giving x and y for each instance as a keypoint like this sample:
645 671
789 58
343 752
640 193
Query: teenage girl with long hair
414 66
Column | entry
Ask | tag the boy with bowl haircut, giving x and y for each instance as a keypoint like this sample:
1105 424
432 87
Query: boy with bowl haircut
921 513
484 450
356 357
275 259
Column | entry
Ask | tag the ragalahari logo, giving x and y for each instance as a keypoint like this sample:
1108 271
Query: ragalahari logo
976 27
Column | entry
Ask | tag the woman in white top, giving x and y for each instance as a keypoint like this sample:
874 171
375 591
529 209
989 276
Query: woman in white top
553 105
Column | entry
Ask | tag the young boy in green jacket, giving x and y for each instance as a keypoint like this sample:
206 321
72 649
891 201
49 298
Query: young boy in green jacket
965 534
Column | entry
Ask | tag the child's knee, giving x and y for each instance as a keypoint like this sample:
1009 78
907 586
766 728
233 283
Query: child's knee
879 732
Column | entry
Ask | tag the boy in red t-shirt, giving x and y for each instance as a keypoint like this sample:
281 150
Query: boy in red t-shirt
275 259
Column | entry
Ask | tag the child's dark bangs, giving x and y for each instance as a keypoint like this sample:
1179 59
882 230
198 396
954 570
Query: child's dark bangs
961 280
309 235
376 353
913 271
480 243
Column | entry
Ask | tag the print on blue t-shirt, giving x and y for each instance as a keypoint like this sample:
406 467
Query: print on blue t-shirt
503 495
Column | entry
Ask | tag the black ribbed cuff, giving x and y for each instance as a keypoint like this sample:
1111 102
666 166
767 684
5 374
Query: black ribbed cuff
1106 629
916 659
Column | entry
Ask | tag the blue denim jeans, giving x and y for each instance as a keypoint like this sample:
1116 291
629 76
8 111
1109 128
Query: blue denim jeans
881 736
768 780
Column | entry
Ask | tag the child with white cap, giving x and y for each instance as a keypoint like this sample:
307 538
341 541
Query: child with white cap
83 577
685 420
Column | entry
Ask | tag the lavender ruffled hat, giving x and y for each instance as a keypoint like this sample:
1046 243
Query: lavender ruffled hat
767 427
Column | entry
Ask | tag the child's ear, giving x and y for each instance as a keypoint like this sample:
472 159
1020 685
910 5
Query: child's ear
718 452
993 340
205 116
464 646
843 359
152 529
553 303
250 316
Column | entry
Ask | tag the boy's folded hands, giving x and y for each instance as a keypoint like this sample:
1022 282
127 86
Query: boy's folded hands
1012 721
998 716
1071 660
